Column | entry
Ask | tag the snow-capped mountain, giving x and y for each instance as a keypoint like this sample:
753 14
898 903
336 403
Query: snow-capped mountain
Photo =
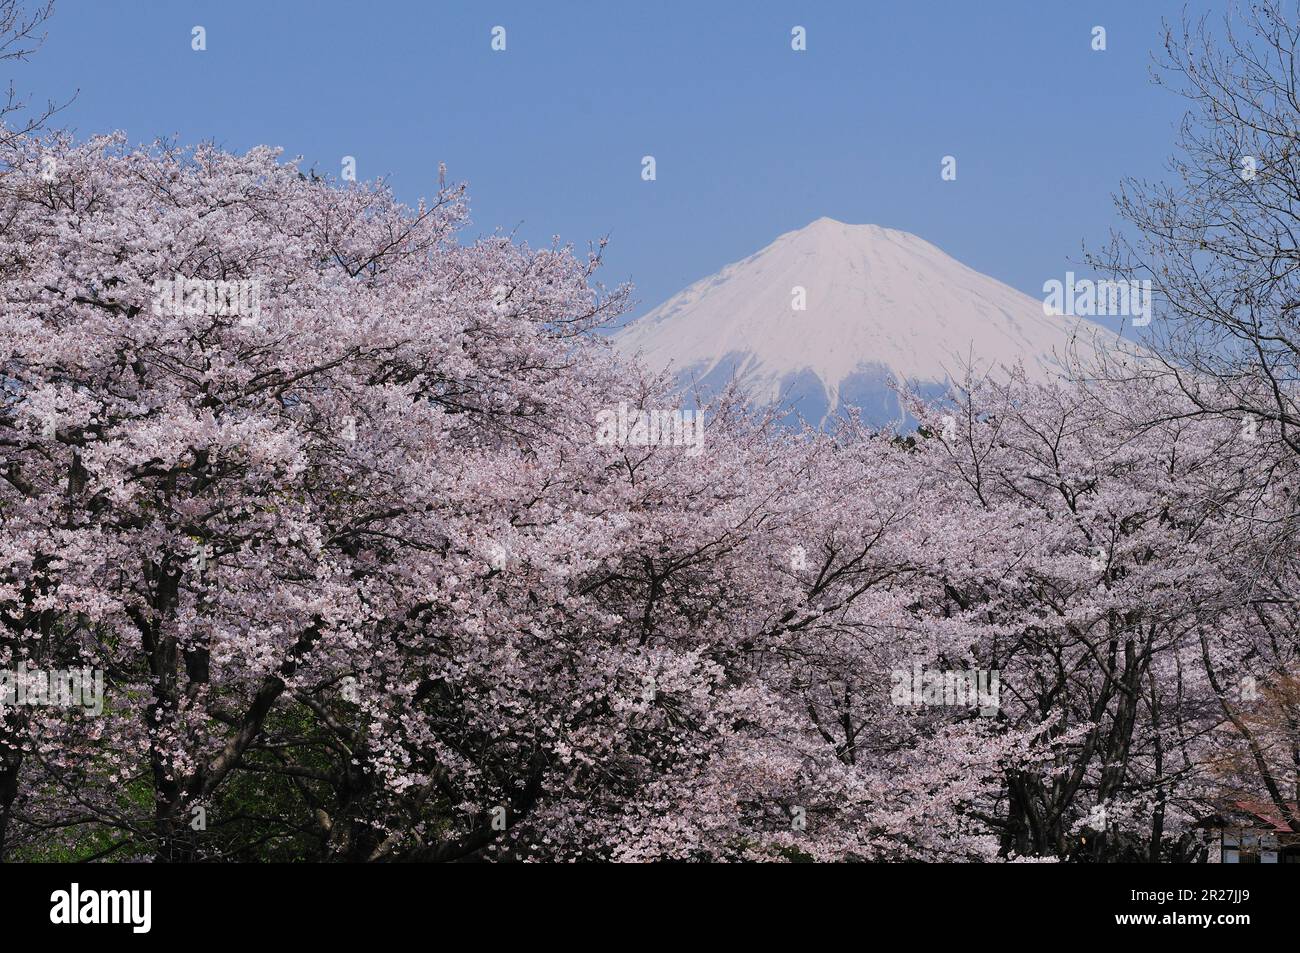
877 303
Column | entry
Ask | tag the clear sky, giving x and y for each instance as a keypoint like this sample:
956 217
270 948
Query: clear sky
751 139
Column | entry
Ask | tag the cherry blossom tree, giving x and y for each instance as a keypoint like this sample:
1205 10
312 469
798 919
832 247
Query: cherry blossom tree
1217 243
317 488
320 486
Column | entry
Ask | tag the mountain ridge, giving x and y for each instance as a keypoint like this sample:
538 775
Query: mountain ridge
877 304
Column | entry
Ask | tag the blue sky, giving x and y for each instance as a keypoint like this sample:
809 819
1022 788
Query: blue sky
750 138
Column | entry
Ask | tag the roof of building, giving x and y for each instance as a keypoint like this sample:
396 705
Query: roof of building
1253 813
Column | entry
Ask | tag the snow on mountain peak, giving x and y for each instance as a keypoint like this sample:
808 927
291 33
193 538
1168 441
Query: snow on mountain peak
825 314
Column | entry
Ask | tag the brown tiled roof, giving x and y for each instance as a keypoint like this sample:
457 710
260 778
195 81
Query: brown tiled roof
1267 812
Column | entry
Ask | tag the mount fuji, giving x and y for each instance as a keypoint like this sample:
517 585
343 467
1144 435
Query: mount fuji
878 304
